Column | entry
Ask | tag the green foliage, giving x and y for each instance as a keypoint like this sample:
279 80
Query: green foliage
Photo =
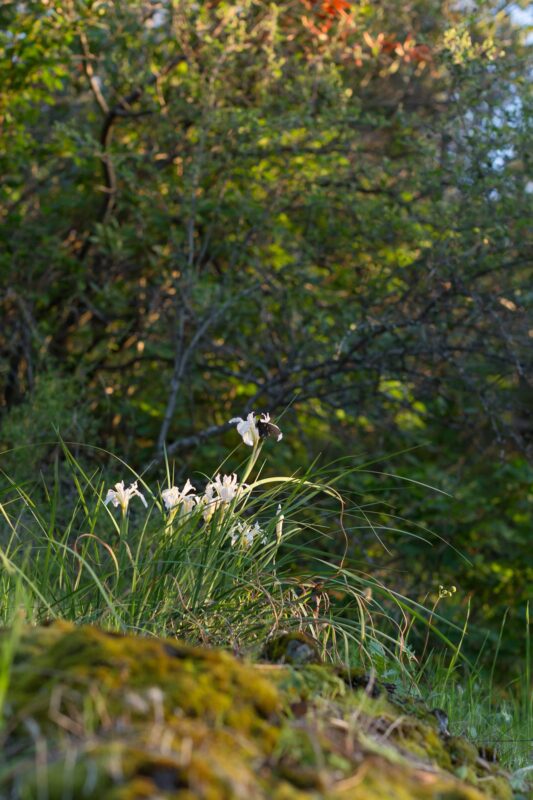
212 207
27 436
220 196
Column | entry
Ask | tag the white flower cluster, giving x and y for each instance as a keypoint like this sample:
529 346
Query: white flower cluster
218 493
173 498
244 534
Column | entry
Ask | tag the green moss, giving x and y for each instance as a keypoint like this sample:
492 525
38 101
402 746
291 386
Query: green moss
205 683
132 695
107 717
306 682
422 740
461 751
377 780
496 787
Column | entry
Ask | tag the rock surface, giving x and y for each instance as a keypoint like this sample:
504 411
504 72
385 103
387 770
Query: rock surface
90 714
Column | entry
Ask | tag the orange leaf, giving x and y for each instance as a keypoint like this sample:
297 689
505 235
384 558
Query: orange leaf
369 40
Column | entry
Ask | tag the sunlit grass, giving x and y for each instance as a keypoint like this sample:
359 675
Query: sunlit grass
152 570
66 554
498 718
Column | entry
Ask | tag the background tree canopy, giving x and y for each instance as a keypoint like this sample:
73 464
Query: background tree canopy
315 208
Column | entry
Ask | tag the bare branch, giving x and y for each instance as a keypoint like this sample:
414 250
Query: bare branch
182 357
94 81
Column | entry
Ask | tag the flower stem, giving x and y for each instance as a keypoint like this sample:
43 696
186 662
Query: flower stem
124 523
251 463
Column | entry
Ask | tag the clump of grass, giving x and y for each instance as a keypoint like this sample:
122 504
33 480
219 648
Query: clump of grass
499 719
230 564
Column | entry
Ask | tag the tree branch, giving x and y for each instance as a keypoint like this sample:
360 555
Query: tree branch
120 109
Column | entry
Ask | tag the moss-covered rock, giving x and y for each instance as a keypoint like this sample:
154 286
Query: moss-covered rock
292 648
96 715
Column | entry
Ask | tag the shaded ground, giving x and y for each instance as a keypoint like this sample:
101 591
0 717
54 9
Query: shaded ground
89 714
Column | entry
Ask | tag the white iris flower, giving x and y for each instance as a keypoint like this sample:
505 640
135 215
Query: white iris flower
120 496
173 498
244 534
226 487
219 492
247 429
254 429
